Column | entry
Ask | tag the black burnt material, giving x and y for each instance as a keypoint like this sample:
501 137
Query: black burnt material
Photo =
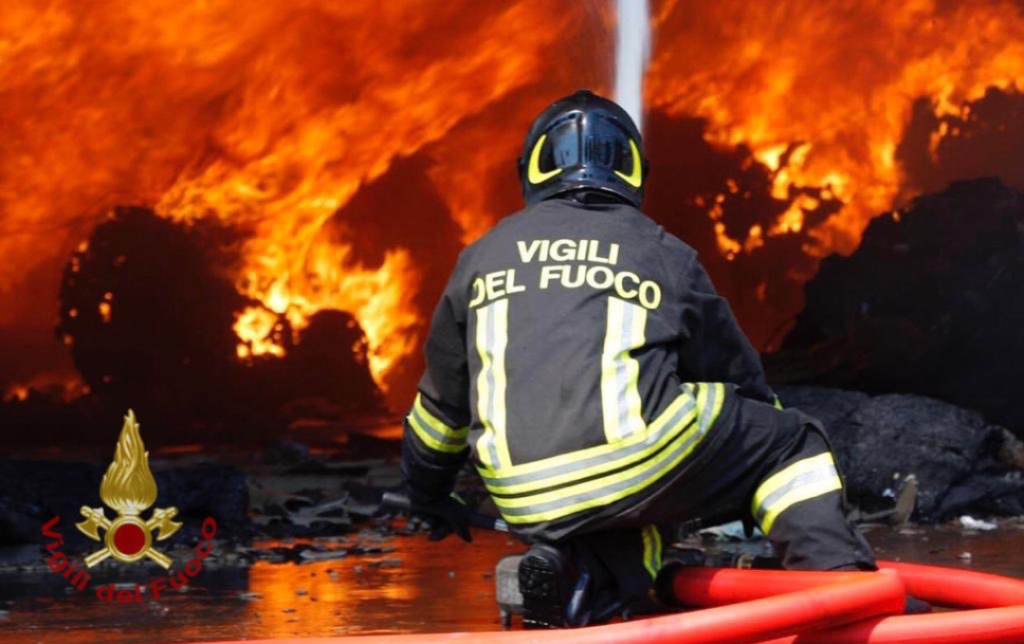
931 303
692 178
961 463
147 310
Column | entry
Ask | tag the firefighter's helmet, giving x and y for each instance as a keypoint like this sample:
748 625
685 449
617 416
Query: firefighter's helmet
583 141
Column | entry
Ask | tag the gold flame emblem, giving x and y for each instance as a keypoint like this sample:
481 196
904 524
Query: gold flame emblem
129 489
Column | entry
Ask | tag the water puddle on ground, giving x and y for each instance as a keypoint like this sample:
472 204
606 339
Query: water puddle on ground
414 586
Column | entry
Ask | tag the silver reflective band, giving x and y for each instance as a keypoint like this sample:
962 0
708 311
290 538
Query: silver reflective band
805 479
448 439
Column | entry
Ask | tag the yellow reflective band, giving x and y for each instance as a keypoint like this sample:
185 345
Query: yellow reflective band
788 474
652 550
436 423
610 465
534 173
632 449
609 396
709 411
484 444
645 474
491 342
433 443
433 433
498 422
620 372
803 493
635 177
778 403
803 480
619 485
593 461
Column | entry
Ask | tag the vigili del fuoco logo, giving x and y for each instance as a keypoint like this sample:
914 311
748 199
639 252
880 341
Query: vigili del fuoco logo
128 489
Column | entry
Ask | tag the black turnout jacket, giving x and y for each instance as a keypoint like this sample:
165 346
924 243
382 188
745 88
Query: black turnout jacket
576 357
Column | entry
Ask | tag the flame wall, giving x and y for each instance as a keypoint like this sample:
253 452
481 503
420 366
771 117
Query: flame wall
272 116
355 145
822 92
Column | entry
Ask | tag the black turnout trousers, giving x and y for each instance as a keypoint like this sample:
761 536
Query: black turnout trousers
759 466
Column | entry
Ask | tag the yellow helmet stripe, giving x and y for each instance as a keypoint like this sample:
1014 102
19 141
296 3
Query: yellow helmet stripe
635 177
534 173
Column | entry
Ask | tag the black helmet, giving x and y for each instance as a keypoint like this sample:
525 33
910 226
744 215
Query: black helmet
583 141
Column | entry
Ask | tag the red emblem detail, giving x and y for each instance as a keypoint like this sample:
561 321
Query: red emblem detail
129 539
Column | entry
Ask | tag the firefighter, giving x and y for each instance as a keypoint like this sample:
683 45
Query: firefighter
582 360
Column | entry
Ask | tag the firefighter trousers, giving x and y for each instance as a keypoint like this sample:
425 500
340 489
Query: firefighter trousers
770 467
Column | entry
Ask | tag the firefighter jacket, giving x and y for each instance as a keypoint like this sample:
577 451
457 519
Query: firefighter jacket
576 357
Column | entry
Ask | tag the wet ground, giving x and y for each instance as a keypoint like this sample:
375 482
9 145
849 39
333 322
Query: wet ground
404 584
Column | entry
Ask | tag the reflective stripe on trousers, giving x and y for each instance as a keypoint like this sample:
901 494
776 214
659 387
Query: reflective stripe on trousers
652 550
803 480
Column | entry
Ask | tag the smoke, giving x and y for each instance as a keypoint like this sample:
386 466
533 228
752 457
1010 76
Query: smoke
633 51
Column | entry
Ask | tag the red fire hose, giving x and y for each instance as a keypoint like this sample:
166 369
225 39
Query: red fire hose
998 602
954 588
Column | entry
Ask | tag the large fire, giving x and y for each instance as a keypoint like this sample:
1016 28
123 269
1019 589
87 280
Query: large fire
273 116
822 91
269 116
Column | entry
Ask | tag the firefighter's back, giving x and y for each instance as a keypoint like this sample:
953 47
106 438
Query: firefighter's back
572 331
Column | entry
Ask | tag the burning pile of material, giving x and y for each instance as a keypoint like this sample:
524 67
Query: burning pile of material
930 303
273 120
146 311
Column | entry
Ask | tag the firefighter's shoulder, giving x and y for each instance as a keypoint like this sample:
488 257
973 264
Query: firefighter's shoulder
679 255
496 230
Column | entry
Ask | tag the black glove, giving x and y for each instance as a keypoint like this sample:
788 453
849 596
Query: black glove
442 518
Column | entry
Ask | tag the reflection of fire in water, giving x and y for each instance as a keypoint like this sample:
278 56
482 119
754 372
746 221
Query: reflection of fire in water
272 116
408 587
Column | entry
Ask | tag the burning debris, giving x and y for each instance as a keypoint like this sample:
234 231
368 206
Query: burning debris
147 313
929 304
273 130
761 277
833 119
983 139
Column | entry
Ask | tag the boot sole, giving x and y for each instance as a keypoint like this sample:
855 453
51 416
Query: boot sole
542 585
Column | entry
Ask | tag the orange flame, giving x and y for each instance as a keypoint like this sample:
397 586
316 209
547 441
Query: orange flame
269 116
832 84
288 161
